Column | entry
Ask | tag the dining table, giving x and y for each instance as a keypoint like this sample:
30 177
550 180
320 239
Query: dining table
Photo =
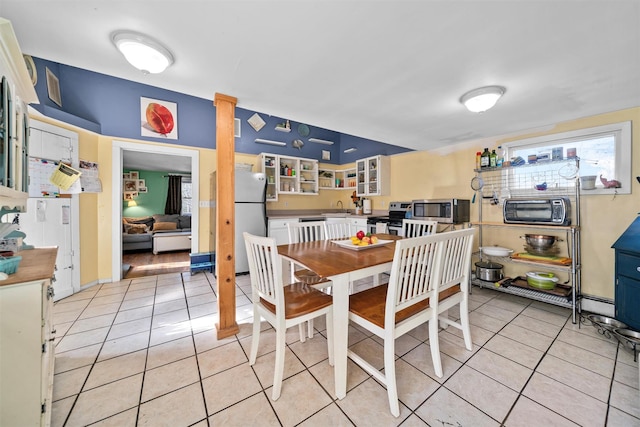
341 262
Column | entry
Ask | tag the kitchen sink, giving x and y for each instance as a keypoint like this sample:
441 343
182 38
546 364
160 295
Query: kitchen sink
336 214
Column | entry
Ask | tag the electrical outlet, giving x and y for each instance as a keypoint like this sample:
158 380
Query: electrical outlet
331 205
286 204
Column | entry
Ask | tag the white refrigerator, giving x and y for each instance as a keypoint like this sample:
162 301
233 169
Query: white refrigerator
250 212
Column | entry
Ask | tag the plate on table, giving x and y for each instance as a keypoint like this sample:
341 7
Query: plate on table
349 244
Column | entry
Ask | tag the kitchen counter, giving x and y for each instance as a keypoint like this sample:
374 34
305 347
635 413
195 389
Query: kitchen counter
317 213
36 264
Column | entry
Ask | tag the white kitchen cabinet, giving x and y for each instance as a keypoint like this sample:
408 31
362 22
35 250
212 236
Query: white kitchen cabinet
372 175
16 91
277 228
331 179
291 175
26 341
358 224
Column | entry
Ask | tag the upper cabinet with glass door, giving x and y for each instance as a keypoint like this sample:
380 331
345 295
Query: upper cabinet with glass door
17 92
372 176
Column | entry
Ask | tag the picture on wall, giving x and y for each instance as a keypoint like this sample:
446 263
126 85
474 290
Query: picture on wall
130 195
159 119
130 185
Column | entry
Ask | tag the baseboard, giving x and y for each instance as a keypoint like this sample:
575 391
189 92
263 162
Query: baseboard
598 305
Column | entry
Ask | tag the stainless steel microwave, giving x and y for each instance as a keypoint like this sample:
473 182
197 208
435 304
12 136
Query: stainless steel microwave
448 211
550 211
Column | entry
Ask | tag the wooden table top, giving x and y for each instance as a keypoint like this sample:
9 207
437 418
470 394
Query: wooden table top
36 264
326 258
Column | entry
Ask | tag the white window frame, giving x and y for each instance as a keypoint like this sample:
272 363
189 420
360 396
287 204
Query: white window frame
184 181
620 131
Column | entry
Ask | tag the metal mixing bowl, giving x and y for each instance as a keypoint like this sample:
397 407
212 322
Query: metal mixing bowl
540 242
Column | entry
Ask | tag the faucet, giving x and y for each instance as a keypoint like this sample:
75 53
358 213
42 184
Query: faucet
341 206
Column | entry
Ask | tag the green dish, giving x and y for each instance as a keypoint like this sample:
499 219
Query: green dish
541 280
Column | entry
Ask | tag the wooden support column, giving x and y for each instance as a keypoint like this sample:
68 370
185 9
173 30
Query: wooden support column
225 215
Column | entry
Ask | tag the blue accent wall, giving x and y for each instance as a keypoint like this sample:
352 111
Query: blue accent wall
111 106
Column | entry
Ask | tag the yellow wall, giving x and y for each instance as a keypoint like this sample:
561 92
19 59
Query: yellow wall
414 175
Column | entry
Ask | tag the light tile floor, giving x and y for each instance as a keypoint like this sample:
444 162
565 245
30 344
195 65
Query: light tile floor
144 352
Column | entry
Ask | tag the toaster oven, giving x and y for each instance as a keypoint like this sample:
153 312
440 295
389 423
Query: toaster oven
549 211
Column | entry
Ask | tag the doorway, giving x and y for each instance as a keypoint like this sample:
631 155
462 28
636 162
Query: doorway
119 150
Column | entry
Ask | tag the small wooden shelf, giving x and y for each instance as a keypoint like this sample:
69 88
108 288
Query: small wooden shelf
282 129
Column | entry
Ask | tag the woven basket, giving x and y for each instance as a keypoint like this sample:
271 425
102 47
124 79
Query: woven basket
9 264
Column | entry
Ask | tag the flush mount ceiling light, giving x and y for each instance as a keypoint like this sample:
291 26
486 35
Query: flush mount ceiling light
481 99
144 53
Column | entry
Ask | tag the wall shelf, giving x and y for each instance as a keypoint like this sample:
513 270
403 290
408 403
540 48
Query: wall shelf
270 142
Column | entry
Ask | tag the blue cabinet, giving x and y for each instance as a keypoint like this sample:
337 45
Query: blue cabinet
627 271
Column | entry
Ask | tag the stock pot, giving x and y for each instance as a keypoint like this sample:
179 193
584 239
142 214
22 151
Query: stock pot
488 271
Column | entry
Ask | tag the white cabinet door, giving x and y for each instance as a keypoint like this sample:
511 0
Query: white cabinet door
359 224
278 229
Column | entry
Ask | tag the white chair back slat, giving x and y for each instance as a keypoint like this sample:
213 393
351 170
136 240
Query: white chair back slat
300 232
413 277
265 268
417 227
457 260
338 229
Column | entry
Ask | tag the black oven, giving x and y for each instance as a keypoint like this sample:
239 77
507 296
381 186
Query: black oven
397 212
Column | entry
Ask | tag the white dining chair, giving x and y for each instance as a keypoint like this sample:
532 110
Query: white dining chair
455 281
425 270
300 232
382 228
281 305
340 229
418 227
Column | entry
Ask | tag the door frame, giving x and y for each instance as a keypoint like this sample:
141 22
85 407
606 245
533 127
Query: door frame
118 149
74 200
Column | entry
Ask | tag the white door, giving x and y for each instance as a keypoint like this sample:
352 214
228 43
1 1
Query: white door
48 222
51 221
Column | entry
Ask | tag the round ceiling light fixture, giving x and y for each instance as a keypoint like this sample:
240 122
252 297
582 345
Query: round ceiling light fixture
481 99
144 53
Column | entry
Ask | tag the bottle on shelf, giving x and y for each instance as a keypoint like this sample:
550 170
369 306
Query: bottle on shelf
493 159
501 154
478 157
484 158
286 170
293 172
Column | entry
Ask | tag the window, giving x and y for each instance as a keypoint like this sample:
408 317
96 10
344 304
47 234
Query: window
603 150
186 196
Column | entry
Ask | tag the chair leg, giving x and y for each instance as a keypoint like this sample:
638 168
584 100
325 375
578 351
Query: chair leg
330 336
464 323
279 368
310 328
390 375
434 343
303 333
255 337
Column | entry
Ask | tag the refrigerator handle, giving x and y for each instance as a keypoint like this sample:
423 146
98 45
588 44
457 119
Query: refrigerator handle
264 208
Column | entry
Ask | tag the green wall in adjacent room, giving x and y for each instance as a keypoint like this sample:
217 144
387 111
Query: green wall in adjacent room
153 201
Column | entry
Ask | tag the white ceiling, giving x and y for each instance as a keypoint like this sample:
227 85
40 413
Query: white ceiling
391 71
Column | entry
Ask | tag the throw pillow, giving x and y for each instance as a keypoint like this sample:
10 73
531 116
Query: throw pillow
135 228
165 226
184 221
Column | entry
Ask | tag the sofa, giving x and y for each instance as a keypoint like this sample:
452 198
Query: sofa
171 232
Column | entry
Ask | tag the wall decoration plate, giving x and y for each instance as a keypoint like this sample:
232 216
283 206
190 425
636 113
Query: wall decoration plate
303 130
349 245
256 122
